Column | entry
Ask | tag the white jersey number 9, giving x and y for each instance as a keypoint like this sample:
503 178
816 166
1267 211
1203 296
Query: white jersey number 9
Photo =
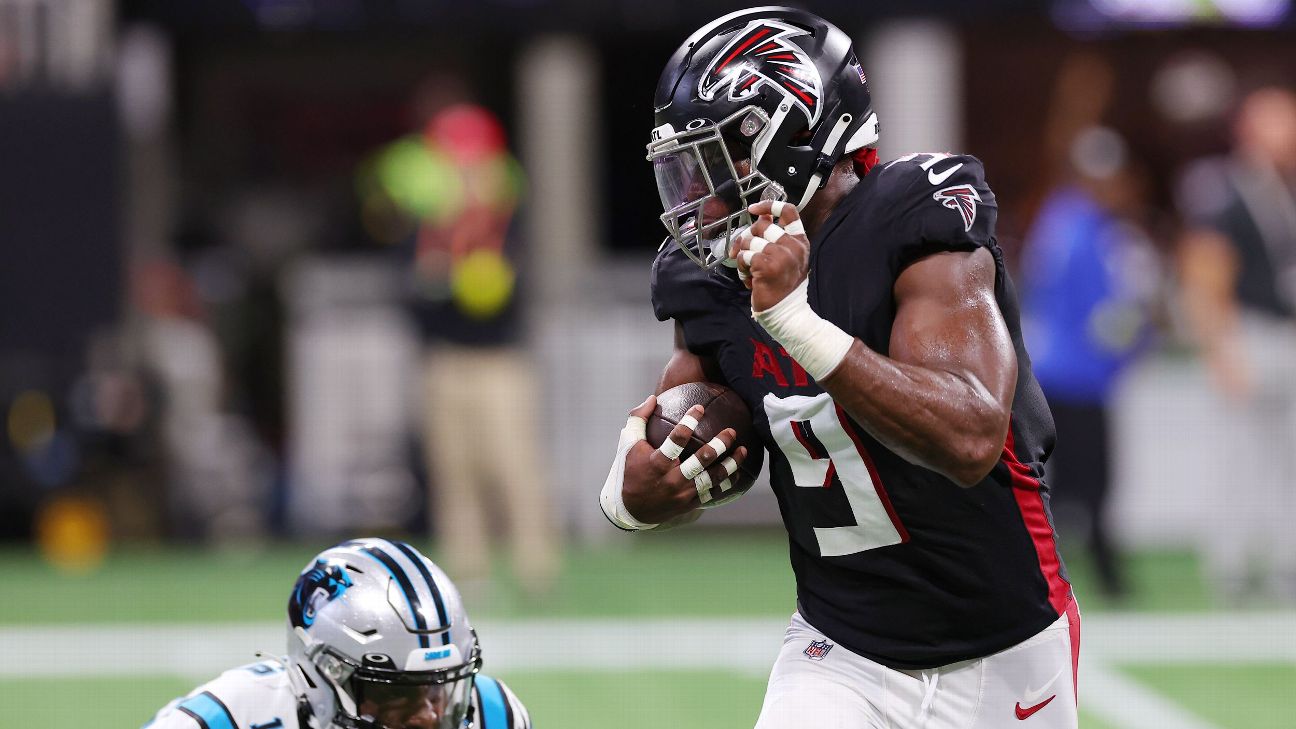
819 443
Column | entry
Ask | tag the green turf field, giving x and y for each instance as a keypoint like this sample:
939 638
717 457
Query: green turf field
644 574
706 577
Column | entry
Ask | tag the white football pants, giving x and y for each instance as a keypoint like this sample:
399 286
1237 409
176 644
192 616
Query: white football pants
1031 685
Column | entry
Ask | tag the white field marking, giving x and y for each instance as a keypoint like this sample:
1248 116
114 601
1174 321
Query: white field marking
1185 638
748 645
1124 703
198 651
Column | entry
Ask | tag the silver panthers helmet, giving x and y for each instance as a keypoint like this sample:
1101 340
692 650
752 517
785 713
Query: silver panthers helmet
377 634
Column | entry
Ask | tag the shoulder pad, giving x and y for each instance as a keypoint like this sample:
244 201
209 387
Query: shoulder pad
207 709
257 693
497 707
680 288
941 202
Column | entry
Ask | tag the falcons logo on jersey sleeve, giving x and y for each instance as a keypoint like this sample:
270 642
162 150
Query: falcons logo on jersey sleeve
963 198
761 54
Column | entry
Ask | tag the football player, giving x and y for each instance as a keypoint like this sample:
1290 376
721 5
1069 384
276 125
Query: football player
863 312
377 639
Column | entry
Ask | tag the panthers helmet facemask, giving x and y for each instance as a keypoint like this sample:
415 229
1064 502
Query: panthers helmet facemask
777 87
377 634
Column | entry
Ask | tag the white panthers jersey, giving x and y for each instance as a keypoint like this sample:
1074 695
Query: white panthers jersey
259 696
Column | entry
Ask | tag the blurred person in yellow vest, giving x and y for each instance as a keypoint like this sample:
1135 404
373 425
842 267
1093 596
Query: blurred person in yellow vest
455 187
1238 266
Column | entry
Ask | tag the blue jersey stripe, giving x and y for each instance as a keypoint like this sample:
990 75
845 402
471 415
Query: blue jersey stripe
409 552
493 709
411 596
208 711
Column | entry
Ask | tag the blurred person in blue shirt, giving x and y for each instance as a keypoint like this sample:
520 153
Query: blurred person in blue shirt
1090 276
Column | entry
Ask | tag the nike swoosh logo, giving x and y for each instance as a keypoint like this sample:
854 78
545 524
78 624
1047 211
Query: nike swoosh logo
1024 714
1033 696
936 179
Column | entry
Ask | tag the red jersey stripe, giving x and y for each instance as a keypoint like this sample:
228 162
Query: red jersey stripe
1073 618
1026 490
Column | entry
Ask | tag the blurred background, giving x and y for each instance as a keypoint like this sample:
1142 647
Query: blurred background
279 272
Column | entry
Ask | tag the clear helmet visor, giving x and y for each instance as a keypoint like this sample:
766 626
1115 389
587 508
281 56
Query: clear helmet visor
699 177
706 181
397 705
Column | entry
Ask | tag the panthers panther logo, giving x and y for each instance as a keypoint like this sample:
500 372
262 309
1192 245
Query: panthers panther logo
317 586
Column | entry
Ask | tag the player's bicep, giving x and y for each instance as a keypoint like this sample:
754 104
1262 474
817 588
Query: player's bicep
685 366
947 319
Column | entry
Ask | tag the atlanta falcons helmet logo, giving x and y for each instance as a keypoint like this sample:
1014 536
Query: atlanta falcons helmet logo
761 54
963 198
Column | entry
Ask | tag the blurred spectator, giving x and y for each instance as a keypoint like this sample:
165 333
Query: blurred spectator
1238 265
1089 280
458 187
219 471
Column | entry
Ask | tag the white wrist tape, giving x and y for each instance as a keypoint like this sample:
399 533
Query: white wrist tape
815 343
610 499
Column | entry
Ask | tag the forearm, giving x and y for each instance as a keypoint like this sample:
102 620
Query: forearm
1208 270
1212 319
953 425
942 396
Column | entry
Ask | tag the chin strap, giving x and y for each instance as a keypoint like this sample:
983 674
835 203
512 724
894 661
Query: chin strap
347 714
826 161
305 712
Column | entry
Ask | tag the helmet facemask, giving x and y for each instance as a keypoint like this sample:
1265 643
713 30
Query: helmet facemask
703 191
374 694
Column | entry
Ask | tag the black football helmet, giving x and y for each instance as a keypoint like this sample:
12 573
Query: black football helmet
757 105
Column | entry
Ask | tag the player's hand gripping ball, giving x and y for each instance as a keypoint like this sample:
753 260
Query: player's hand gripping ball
722 409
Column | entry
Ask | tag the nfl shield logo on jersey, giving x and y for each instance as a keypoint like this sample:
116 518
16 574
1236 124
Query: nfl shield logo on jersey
818 649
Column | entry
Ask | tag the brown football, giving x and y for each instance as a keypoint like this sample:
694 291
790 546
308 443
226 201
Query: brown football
724 409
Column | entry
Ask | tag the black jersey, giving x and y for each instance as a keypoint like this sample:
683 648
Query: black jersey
892 560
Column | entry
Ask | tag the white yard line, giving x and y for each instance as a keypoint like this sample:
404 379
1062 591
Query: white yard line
1126 704
200 650
747 646
1186 638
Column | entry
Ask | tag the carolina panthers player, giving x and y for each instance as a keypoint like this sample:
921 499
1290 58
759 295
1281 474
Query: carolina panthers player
863 312
377 639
